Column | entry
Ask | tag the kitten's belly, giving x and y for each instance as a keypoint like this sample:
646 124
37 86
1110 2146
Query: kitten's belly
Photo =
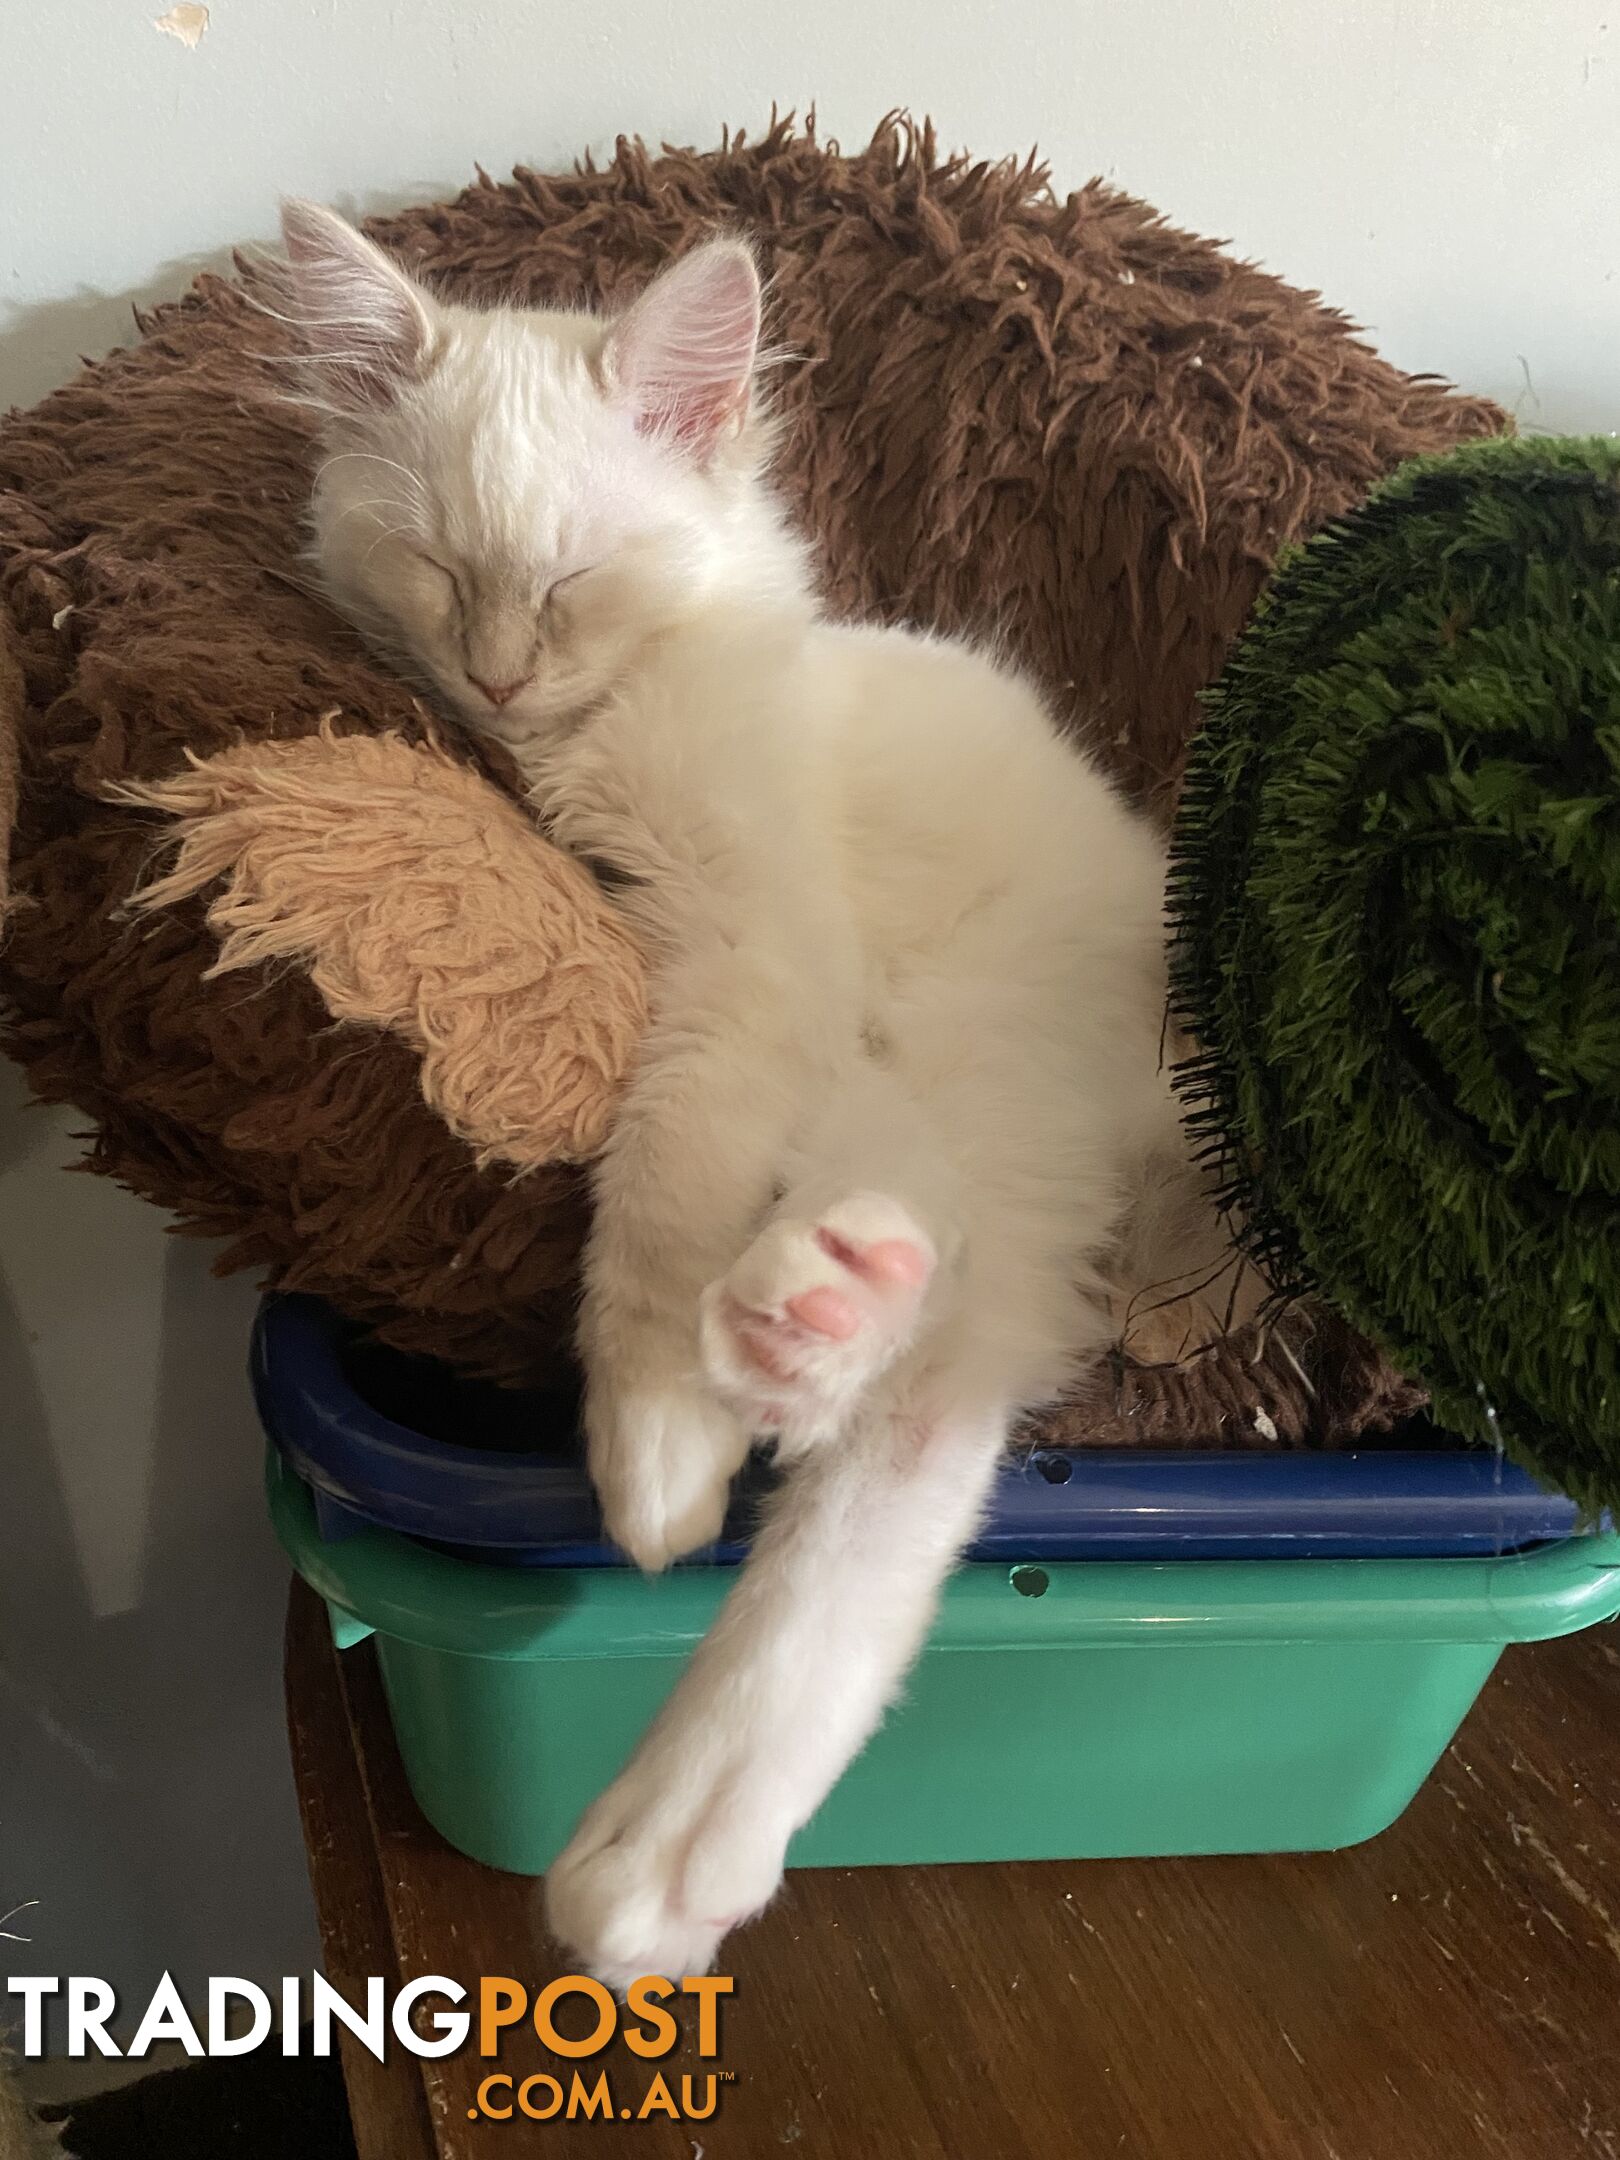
966 818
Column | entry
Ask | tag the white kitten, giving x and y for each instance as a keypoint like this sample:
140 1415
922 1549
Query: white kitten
903 1074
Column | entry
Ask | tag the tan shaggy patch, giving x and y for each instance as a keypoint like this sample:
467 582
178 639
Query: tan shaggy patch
419 900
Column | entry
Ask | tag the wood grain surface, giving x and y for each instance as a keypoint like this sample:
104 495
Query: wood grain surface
1449 1992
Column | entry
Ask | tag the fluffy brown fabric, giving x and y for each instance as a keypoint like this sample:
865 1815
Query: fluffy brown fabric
11 711
1304 1380
1060 420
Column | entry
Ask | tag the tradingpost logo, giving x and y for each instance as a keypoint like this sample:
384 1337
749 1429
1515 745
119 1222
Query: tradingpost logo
649 2027
431 2016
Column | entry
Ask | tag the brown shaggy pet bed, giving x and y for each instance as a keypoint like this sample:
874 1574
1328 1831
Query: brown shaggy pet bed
1061 420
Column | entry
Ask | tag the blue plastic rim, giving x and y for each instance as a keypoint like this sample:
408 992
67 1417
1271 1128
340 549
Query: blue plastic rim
536 1508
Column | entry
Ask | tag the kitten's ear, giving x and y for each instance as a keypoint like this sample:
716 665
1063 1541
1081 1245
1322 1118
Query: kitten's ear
684 353
366 326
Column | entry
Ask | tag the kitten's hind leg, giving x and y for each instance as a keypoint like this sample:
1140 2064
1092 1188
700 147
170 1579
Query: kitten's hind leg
814 1310
809 1647
837 1284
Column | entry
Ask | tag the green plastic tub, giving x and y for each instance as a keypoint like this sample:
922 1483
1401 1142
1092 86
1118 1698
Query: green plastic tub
1060 1711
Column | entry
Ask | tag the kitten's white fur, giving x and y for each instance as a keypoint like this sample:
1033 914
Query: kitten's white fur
904 1063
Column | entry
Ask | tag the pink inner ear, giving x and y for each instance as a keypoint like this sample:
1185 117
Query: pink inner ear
684 353
693 418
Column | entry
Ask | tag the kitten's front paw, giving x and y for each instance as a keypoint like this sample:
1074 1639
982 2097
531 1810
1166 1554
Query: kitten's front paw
653 1879
813 1312
662 1457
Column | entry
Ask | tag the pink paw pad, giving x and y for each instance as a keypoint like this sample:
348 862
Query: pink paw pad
825 1312
817 1309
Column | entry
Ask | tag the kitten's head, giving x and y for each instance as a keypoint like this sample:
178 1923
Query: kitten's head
514 501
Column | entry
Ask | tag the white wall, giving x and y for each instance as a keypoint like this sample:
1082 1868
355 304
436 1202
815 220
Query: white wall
1446 170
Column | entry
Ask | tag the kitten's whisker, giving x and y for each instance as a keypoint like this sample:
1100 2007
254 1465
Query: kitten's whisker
373 457
394 532
376 502
295 584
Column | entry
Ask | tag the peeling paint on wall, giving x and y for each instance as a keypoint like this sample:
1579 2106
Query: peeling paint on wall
187 22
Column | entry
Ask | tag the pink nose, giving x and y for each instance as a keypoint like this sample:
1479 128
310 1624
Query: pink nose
501 693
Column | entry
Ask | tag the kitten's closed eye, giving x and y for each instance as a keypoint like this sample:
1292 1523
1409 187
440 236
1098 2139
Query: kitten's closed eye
452 583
